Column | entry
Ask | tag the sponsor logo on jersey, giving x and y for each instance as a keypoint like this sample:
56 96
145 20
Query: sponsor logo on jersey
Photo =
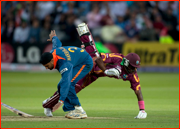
125 76
63 70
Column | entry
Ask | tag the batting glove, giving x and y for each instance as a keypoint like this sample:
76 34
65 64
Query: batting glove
112 72
141 115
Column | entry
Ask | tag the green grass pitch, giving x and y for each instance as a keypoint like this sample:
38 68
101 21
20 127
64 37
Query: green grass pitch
109 103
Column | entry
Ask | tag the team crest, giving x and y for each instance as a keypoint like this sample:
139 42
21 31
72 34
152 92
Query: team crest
137 62
125 76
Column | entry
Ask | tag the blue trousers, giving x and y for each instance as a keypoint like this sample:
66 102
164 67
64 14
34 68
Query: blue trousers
78 73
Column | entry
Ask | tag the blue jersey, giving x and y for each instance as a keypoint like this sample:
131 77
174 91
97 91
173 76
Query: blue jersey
65 59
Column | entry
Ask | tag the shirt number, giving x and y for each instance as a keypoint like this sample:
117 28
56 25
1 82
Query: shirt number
71 49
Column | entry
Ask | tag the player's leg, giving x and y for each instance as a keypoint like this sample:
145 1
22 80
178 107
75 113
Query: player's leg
84 82
87 40
73 106
72 100
71 103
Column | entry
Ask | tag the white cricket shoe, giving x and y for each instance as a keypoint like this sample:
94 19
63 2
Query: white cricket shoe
78 113
47 111
68 113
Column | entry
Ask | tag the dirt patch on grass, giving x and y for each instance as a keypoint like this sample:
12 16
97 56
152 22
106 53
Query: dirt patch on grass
44 118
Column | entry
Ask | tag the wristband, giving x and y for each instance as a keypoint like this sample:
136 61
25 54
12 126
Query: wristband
60 101
141 105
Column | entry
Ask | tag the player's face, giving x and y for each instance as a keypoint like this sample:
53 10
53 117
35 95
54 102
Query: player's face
49 65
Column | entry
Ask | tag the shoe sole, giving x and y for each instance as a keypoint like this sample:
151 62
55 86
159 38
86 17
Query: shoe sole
71 117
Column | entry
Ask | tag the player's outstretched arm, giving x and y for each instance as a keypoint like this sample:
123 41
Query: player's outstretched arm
142 114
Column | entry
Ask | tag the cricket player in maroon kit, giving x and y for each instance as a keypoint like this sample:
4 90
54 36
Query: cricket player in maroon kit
113 65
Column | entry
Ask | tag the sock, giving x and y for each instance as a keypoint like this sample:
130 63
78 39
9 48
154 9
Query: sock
79 108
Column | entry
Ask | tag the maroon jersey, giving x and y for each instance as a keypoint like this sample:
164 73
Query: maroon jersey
113 60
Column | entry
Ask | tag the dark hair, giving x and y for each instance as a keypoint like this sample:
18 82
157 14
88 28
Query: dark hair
46 58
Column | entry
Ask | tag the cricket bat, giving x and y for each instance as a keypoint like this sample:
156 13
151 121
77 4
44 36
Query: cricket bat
20 113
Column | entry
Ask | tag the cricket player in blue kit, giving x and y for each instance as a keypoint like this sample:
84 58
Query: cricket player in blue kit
73 63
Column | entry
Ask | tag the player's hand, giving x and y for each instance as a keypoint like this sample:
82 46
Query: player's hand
57 106
141 115
51 35
112 72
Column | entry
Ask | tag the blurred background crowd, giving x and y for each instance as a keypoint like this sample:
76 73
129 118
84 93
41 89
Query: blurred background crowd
111 22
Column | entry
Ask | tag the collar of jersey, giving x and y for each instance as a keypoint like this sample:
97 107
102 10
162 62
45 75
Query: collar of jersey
56 58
